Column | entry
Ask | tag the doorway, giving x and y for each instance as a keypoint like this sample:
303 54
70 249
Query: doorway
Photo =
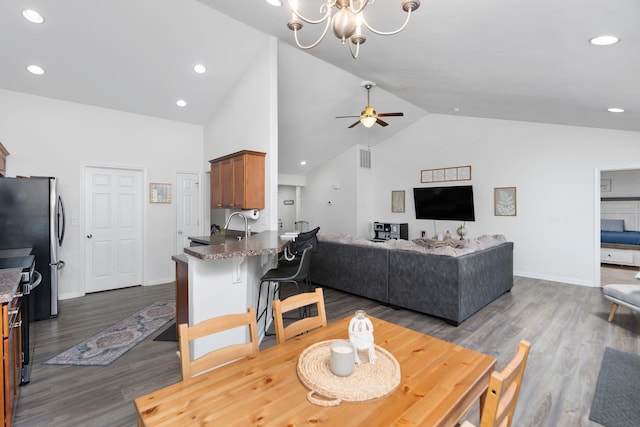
287 208
619 200
113 206
187 208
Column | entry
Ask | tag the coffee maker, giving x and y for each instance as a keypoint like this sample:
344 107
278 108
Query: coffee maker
386 231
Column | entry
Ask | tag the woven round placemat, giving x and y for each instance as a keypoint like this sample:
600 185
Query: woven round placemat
368 380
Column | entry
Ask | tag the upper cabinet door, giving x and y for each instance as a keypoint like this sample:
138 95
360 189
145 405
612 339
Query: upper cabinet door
237 180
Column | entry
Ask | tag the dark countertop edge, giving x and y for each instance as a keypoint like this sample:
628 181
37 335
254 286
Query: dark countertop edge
17 252
263 243
9 281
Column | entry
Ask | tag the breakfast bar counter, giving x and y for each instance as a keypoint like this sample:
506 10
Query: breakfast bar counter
221 246
222 277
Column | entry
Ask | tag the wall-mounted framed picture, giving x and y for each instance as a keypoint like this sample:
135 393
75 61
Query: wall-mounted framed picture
159 193
504 201
454 173
397 201
464 173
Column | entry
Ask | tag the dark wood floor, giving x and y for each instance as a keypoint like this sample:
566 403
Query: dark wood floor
566 325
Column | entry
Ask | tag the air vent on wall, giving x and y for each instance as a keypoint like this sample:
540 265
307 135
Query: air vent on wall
365 158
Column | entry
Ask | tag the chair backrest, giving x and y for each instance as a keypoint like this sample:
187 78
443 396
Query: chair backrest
504 387
306 323
305 264
303 240
223 355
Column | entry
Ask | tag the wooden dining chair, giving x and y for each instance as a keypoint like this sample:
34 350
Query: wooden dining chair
306 323
499 401
223 355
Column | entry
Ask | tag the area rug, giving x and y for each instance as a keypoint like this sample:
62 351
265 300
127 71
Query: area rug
105 347
615 403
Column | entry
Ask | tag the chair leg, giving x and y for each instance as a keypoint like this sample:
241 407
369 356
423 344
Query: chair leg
614 307
276 288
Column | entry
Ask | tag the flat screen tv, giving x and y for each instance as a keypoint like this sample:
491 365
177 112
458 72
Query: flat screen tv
447 203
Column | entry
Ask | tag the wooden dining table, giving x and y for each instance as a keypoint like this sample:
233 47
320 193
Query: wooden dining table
439 382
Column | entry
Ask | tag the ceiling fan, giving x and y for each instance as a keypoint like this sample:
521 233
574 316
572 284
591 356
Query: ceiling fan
369 116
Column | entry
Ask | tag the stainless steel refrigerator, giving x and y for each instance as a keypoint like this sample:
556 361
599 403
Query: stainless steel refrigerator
32 215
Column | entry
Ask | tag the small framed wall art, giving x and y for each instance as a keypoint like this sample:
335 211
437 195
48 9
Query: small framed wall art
455 173
159 193
504 201
397 201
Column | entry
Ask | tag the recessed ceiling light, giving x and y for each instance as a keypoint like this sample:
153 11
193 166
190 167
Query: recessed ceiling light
274 2
200 69
33 16
303 162
615 110
604 40
35 69
181 103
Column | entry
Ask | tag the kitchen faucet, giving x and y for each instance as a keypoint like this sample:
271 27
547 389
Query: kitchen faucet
246 223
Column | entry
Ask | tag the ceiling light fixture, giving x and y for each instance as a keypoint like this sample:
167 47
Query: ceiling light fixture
33 16
303 162
35 69
200 69
181 103
604 40
615 110
347 21
277 3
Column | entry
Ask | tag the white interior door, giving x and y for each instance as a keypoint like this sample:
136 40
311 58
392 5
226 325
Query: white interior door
187 209
287 212
114 231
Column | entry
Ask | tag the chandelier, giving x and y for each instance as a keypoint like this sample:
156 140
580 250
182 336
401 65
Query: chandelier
346 17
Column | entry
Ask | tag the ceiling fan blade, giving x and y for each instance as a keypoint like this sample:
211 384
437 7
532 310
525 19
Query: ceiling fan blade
390 114
345 117
382 123
354 124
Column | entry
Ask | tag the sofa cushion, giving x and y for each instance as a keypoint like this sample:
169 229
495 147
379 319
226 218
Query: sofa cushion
627 293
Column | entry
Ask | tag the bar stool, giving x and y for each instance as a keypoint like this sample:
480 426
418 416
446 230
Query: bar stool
295 274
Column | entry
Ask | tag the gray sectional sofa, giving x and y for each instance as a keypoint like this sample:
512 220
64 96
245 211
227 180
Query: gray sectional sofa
450 287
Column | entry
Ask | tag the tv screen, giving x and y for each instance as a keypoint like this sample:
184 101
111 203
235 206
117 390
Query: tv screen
451 203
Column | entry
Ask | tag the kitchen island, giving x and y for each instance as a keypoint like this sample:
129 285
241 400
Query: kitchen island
222 277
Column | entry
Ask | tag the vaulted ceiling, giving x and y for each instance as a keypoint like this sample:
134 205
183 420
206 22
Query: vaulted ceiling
516 60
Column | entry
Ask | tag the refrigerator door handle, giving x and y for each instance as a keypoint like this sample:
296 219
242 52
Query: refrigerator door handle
61 216
59 265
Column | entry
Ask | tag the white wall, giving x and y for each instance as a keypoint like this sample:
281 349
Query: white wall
248 120
556 170
333 209
56 138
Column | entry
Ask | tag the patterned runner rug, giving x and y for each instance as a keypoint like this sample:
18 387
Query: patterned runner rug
108 345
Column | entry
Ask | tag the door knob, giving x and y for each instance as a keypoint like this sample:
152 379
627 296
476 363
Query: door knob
89 236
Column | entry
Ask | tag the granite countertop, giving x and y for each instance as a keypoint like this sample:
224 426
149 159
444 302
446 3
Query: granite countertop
9 280
222 247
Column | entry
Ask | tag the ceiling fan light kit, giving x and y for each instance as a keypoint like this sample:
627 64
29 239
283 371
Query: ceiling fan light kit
369 117
347 19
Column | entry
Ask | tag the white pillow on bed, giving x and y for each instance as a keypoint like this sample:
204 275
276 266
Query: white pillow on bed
612 225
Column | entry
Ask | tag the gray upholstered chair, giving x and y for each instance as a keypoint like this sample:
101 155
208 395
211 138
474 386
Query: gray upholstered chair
626 295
